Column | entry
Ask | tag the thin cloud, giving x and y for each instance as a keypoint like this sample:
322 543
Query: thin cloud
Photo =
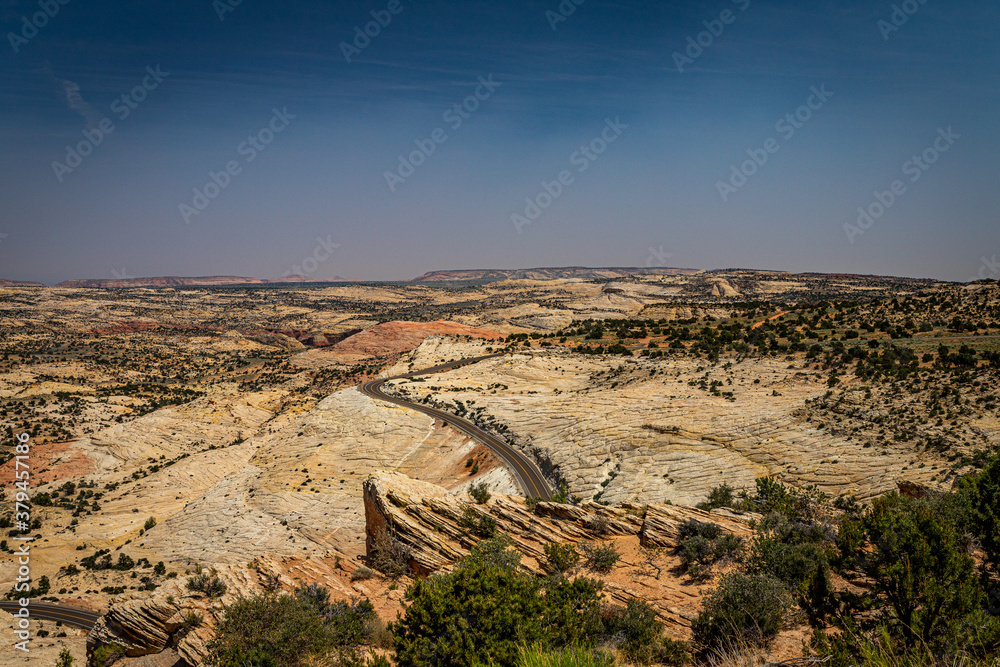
76 103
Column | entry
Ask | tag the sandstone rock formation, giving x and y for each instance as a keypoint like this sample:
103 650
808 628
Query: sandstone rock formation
427 520
385 341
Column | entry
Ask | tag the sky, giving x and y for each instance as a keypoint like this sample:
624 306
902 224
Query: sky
380 139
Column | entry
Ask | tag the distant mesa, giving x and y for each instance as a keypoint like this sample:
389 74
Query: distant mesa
563 273
175 281
19 283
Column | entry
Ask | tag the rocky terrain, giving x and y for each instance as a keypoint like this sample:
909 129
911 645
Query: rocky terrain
428 520
221 427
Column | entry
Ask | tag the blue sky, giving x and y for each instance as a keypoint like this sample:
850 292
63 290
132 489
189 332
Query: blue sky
317 198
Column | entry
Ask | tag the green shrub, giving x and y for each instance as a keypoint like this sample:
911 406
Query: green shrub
362 574
563 497
745 609
695 528
107 654
350 625
480 493
924 583
772 496
478 524
150 522
791 564
703 544
272 631
674 653
696 550
721 496
207 583
561 558
636 631
981 494
600 558
488 609
477 614
65 658
497 552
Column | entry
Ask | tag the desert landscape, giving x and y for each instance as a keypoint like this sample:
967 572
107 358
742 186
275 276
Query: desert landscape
182 430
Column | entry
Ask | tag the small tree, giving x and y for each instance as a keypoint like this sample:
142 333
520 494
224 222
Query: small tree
601 558
207 583
982 493
721 496
744 609
65 658
924 582
480 493
561 558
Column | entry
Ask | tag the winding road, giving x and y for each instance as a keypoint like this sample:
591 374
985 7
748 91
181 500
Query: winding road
75 616
527 474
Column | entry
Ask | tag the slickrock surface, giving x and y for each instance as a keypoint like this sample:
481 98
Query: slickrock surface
43 650
639 426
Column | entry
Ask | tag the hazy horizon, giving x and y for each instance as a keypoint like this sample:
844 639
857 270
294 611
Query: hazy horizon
619 124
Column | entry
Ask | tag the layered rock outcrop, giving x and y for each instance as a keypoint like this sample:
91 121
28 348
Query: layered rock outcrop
428 521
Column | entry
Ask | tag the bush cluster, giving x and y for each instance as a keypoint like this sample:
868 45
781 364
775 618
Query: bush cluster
704 544
488 610
292 630
208 583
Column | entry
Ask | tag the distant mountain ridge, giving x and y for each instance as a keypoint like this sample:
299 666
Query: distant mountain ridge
176 281
561 273
19 283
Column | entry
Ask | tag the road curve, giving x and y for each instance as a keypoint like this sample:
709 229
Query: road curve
527 474
75 616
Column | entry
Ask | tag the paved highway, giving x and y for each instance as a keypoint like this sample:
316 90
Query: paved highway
80 618
528 476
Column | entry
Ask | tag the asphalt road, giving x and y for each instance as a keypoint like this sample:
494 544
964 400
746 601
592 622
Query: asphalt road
527 474
80 618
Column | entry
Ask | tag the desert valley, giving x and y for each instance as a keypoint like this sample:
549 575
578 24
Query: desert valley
217 433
